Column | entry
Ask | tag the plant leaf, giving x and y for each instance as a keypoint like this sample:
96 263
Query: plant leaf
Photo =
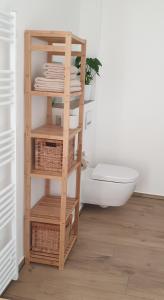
92 68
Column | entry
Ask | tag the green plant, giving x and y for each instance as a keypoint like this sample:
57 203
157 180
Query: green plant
92 68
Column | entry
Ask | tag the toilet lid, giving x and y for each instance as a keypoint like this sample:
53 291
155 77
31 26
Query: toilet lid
113 173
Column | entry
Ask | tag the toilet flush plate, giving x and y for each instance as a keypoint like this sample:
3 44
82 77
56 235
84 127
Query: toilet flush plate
88 118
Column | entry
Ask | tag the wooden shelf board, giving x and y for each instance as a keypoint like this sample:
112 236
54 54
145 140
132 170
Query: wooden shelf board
48 48
77 40
45 174
54 50
52 175
47 209
73 53
40 258
73 104
53 94
55 36
52 132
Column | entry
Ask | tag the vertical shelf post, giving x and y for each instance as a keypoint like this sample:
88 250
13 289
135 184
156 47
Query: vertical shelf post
67 63
80 135
49 121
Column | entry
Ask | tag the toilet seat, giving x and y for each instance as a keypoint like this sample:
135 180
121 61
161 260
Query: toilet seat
114 173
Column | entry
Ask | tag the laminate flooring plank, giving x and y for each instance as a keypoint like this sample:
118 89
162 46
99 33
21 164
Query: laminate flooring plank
148 286
119 256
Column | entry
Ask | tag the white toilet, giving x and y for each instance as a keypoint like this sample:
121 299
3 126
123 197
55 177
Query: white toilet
108 185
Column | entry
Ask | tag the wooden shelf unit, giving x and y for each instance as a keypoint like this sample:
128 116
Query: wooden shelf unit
54 43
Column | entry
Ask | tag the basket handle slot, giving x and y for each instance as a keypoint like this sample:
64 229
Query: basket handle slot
51 144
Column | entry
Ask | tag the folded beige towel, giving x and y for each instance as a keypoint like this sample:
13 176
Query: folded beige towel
55 82
58 67
55 85
53 75
60 90
54 78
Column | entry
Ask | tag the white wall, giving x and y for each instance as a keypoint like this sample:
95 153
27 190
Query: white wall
130 96
90 29
49 14
90 24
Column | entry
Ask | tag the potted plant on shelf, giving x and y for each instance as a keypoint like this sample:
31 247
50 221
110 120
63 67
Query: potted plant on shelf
92 69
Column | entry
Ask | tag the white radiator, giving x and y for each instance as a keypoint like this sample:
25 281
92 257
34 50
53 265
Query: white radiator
8 252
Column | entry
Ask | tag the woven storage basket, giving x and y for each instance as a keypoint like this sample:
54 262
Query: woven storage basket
49 154
45 237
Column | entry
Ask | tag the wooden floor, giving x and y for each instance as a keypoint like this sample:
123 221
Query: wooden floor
119 256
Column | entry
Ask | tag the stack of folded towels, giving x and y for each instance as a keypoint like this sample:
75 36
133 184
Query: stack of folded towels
53 79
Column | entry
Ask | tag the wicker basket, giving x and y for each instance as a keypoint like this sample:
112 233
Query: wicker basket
49 154
45 237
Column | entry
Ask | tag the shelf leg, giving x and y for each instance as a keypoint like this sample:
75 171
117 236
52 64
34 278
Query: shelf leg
47 187
49 121
67 63
80 135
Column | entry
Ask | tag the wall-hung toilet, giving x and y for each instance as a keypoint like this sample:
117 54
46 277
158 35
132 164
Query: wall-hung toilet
108 185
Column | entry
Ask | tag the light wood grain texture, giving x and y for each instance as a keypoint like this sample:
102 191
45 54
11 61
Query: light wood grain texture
48 208
117 257
67 65
73 53
80 135
49 122
74 103
53 132
48 48
53 175
54 50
